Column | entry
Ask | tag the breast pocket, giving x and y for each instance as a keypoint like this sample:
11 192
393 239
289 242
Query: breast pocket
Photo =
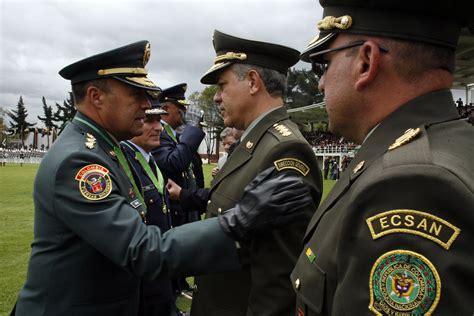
220 203
309 282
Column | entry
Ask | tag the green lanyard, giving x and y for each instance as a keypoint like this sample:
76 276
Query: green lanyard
157 182
170 132
120 156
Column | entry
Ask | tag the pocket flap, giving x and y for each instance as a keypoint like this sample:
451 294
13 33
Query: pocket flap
309 282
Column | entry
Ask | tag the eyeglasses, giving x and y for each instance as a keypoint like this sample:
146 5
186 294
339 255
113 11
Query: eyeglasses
319 66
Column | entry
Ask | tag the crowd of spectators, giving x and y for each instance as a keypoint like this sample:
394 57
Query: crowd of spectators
20 156
466 111
325 142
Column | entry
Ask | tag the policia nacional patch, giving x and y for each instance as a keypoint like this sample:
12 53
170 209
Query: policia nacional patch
94 182
403 282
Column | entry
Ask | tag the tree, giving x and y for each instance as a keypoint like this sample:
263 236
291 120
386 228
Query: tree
205 101
48 120
302 91
19 123
65 113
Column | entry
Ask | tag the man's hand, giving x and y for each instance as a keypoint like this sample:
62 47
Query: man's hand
269 201
193 117
174 190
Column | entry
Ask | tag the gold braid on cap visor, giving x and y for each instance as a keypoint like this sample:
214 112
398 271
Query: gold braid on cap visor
122 70
229 56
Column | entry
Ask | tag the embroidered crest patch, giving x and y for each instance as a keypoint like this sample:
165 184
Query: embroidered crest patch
413 222
292 163
94 182
403 282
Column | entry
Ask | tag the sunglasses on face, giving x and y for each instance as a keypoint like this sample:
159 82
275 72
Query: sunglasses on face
319 66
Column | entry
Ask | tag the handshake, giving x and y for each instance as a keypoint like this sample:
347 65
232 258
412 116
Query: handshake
194 117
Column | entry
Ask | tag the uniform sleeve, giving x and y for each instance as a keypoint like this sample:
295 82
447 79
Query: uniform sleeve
194 199
107 221
273 256
175 158
406 244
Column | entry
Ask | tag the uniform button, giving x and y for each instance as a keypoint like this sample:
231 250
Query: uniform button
151 201
219 210
297 284
208 202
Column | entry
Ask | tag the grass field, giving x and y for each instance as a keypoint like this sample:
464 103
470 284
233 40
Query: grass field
16 234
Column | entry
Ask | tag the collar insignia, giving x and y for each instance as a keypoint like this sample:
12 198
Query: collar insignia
90 141
407 137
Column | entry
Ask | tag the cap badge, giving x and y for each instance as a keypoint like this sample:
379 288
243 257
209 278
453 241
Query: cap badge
331 22
185 87
407 137
146 54
230 56
90 141
249 145
358 167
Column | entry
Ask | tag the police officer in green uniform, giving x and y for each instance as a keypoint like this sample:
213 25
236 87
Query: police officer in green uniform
91 247
251 85
395 234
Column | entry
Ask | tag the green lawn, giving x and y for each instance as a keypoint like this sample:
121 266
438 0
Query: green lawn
16 233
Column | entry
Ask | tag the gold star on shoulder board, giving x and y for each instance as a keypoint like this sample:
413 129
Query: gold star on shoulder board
358 167
90 141
407 137
282 129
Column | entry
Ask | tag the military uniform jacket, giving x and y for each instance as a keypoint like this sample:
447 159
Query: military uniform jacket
263 287
158 215
174 160
91 247
395 234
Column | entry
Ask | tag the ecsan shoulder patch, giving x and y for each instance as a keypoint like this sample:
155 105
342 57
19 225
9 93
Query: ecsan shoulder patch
94 182
293 164
403 282
413 222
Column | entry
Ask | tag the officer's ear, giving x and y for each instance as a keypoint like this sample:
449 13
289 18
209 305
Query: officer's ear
367 64
255 81
95 96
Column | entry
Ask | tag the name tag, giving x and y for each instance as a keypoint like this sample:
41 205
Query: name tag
413 222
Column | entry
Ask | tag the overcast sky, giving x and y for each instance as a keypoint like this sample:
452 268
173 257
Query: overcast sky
39 37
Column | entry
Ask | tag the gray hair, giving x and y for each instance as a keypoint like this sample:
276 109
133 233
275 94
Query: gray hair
274 81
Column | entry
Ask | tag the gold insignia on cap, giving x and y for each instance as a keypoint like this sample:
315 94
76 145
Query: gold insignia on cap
282 129
146 54
183 102
185 87
358 167
229 56
90 141
407 137
249 145
331 22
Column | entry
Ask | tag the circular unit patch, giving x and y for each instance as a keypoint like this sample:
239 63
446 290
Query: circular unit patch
403 282
94 182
